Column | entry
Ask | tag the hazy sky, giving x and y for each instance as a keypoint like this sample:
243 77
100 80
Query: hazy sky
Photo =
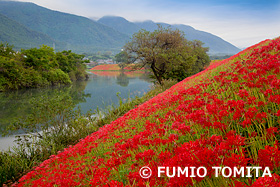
241 22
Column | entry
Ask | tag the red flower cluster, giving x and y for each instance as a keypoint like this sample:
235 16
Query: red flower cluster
131 74
112 67
227 115
106 67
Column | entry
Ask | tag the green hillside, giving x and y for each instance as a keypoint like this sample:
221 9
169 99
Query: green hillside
20 36
81 34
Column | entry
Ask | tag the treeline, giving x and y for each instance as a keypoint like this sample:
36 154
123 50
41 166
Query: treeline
41 67
219 57
99 55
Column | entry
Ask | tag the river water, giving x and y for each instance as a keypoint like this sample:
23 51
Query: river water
99 91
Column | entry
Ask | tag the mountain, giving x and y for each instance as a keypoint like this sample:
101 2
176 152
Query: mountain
20 36
79 33
120 24
27 25
216 44
149 25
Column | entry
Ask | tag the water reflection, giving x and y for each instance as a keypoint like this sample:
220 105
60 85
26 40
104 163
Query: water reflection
123 77
103 85
122 80
99 91
17 104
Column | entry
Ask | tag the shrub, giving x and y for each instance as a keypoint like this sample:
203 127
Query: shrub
57 76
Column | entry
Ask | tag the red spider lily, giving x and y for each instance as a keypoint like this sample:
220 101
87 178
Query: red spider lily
267 181
270 156
227 117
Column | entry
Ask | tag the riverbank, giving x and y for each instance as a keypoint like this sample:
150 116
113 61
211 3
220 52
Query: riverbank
226 116
15 164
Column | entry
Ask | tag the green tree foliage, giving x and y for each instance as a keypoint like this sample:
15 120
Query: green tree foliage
34 67
122 59
6 50
40 59
167 53
202 58
73 64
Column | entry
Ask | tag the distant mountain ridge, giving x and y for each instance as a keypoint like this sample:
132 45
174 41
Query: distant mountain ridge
26 25
79 33
120 24
13 32
216 44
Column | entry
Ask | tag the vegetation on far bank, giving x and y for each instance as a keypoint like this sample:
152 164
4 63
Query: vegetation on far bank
32 68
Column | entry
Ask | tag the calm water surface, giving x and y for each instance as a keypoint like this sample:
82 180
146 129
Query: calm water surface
99 91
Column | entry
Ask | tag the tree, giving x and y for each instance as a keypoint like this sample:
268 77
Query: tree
166 52
121 59
34 67
202 58
42 58
6 50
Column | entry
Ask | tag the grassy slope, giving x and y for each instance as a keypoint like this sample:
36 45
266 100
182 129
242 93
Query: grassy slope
227 115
